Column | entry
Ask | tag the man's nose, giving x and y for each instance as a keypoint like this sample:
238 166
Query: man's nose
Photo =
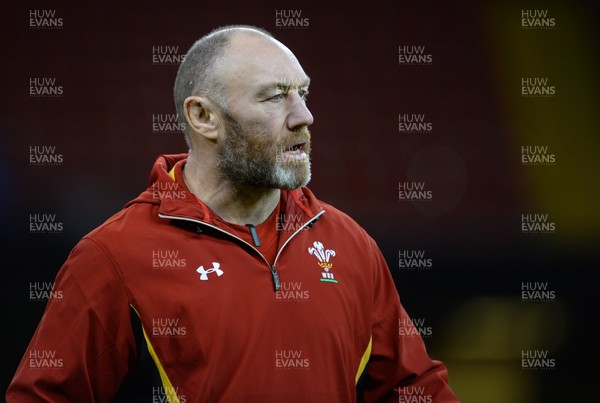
299 115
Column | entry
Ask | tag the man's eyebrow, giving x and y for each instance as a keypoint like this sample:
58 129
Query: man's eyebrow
293 83
284 85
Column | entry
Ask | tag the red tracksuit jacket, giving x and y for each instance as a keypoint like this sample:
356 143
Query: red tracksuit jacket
161 303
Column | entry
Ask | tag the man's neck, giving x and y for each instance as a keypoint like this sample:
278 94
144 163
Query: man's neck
234 203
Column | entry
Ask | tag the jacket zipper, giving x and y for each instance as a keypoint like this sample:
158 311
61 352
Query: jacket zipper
272 268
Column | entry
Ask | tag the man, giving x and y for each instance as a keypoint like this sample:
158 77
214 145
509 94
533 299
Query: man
227 280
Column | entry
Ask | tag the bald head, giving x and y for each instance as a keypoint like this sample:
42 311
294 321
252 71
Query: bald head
242 96
250 61
201 71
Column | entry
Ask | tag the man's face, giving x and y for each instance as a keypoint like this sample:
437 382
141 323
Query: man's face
265 139
254 155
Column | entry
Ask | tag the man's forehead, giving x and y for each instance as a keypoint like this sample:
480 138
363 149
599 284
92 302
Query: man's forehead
251 41
263 60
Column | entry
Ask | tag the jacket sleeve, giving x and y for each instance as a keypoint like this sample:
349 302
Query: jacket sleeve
83 347
399 364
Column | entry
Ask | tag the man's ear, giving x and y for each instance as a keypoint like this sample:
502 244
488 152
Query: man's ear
201 116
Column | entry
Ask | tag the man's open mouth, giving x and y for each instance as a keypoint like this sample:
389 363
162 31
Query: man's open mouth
298 146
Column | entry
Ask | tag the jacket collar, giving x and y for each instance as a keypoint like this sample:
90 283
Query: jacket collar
167 189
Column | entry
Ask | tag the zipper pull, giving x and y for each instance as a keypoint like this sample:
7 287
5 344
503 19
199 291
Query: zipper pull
275 276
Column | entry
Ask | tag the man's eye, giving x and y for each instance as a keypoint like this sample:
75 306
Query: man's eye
303 95
277 97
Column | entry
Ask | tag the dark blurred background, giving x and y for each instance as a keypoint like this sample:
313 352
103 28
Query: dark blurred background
106 60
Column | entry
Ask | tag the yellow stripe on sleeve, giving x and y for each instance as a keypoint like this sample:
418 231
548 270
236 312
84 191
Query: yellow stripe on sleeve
364 360
167 386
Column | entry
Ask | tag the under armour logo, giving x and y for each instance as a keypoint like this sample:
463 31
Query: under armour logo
214 269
